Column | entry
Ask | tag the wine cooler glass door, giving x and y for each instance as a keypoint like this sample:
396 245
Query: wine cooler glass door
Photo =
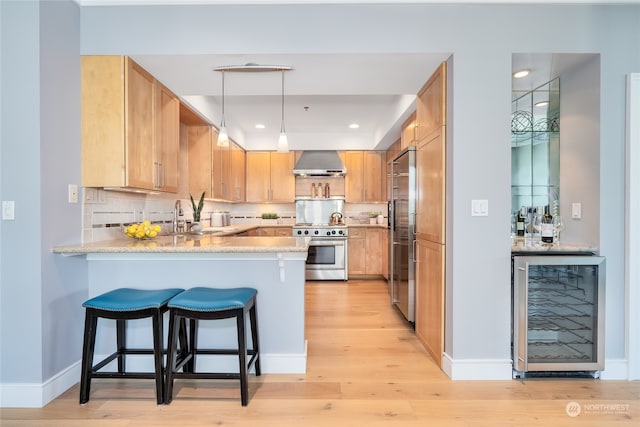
558 313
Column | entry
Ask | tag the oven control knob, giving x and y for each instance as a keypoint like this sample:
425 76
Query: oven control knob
299 231
306 231
316 232
328 233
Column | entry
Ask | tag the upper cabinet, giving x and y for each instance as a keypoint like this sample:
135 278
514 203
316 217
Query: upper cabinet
269 176
365 180
431 104
408 135
200 138
130 127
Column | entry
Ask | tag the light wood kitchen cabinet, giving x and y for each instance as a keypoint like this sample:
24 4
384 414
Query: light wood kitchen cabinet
221 161
237 174
365 180
269 177
356 251
431 187
275 231
130 127
430 292
200 139
431 104
367 251
408 134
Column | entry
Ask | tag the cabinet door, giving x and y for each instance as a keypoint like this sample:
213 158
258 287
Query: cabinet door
167 139
430 295
385 253
139 113
221 158
431 103
237 173
258 176
430 200
357 251
353 180
408 135
373 176
373 251
200 138
283 185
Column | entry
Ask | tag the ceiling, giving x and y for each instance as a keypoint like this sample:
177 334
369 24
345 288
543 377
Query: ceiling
324 94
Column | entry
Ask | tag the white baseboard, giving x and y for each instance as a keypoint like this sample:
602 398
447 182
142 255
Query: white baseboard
476 369
33 395
615 369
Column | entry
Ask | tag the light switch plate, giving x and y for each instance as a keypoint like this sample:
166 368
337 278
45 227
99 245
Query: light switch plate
8 210
480 207
576 210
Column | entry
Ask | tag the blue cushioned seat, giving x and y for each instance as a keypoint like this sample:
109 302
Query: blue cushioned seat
121 305
128 299
202 303
212 299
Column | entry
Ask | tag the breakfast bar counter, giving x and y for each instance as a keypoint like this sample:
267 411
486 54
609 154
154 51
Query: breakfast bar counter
275 266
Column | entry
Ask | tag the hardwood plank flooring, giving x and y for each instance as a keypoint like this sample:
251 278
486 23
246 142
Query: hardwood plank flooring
365 368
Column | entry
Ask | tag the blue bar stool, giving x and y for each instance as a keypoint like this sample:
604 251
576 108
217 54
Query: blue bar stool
202 303
124 304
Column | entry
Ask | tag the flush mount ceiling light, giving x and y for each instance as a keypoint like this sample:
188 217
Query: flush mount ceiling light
250 67
260 126
520 74
354 126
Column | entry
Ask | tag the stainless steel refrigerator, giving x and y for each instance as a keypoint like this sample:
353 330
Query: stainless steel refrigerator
402 206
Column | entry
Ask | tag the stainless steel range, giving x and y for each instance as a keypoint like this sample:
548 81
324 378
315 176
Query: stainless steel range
327 259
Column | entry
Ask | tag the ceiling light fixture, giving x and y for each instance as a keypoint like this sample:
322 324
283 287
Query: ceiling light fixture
542 104
354 126
223 137
250 67
283 145
260 126
520 74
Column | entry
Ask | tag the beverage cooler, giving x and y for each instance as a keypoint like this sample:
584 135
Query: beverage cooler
558 315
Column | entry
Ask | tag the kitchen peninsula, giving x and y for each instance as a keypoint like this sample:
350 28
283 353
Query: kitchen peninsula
272 265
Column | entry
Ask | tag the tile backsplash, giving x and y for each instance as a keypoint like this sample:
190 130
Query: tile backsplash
106 212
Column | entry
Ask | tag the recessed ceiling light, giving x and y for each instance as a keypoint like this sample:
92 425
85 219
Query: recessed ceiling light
354 126
542 103
260 126
520 74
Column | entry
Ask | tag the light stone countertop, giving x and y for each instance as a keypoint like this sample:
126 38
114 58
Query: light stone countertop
188 243
526 246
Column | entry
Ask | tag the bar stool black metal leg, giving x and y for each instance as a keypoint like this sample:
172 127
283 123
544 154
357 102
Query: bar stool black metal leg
121 343
157 356
171 358
242 357
254 338
88 347
193 345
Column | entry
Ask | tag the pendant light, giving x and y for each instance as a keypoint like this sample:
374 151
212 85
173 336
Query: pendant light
223 137
283 145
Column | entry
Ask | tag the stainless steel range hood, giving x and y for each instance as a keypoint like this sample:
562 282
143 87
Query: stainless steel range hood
319 163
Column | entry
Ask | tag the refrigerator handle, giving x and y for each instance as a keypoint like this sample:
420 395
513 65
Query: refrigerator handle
414 250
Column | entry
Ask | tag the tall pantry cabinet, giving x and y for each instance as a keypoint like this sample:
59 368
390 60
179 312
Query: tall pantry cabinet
430 131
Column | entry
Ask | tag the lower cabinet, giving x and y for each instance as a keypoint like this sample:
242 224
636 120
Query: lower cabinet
367 252
430 297
274 231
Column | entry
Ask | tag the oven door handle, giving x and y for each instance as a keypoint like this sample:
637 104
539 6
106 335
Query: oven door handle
327 242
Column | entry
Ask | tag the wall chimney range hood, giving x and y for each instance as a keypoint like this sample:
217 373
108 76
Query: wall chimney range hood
319 163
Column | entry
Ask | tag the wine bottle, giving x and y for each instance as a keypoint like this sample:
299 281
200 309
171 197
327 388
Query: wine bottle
520 222
546 228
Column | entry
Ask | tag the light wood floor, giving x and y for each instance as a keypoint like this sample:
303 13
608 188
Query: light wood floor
365 368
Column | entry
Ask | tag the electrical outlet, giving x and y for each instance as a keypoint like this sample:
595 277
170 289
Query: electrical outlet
73 193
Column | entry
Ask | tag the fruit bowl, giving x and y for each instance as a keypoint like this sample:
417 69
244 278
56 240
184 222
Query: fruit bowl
142 231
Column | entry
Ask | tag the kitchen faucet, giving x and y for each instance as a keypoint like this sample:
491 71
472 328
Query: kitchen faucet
177 212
